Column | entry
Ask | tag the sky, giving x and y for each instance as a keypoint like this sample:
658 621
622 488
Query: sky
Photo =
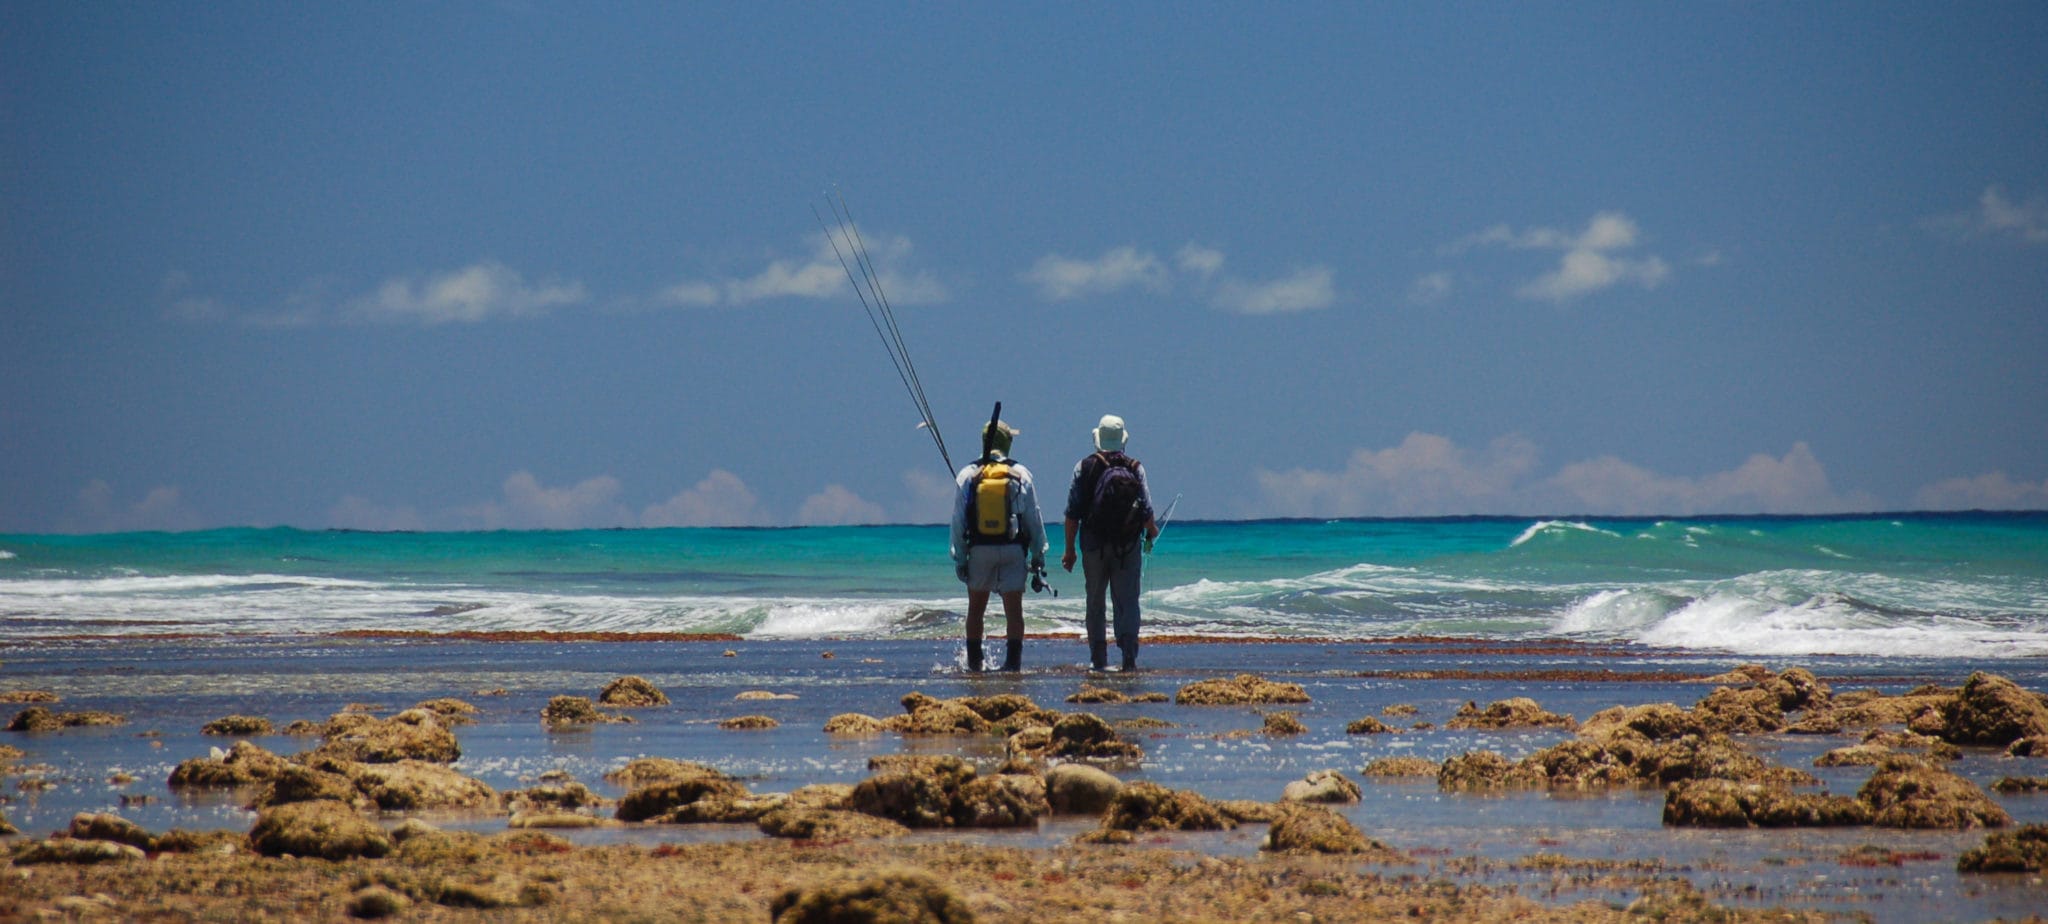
484 265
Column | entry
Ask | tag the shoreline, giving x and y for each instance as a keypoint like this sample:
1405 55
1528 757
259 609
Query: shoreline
1469 855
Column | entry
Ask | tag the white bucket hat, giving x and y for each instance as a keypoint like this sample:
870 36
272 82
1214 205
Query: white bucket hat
1110 435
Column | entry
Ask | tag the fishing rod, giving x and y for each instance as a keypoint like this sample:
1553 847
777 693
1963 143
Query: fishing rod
867 285
1168 516
1163 520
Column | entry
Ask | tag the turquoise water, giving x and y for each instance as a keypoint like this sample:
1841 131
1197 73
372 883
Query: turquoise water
1966 585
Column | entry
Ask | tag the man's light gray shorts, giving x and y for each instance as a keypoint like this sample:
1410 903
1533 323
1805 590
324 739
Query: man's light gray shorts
997 568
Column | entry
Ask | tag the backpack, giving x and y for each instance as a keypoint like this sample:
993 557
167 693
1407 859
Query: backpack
1116 515
989 515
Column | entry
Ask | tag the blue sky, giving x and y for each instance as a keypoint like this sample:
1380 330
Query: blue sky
483 265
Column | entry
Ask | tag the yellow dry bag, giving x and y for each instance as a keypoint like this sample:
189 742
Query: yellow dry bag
992 502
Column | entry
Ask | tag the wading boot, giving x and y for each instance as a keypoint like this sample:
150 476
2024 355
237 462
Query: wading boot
974 658
1013 659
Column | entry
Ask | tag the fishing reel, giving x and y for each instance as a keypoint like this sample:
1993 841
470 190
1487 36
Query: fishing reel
1039 584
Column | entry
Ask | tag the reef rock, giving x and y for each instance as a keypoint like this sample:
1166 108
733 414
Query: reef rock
1282 725
1148 806
1720 803
1656 721
1400 767
822 824
1327 786
1518 712
1085 736
411 785
927 715
1092 694
1240 690
1301 829
450 711
415 734
632 691
300 783
571 711
1907 792
664 800
238 725
645 770
105 826
1474 770
902 896
1006 800
325 829
41 719
853 723
2024 850
750 723
245 764
1080 789
1368 726
1992 710
69 850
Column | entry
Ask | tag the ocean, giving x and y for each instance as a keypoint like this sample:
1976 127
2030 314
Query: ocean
170 631
1890 585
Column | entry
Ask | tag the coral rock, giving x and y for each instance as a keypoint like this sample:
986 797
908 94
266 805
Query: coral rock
1907 792
569 711
1302 829
325 829
1148 806
1518 712
895 896
1995 711
2024 850
1080 789
1327 786
1240 690
237 725
632 691
1719 803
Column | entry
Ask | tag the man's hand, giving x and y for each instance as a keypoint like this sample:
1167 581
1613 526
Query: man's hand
960 570
1067 560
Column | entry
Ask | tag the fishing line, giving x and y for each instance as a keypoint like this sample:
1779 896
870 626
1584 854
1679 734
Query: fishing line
867 286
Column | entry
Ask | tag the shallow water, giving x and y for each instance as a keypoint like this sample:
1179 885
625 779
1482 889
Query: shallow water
168 688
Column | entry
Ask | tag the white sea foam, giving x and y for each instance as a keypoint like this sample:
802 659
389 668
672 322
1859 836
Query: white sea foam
1551 526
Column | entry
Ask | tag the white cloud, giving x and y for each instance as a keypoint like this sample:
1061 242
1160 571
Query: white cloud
1061 278
163 508
475 293
1581 272
1198 260
1305 289
1429 475
837 506
1430 289
1989 491
688 295
1589 262
721 499
1425 475
1995 215
820 275
528 504
1794 483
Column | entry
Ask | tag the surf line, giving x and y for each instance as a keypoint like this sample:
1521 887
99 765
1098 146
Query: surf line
867 284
